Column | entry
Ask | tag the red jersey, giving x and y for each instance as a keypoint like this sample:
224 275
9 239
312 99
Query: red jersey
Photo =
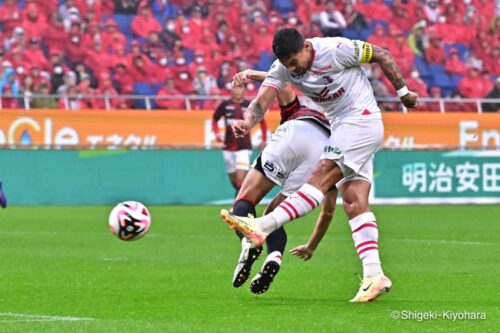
232 111
295 110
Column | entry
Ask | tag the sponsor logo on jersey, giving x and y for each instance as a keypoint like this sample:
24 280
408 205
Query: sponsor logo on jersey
325 68
321 97
327 79
330 149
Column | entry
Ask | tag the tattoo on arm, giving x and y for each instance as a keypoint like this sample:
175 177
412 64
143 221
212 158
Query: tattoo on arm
254 113
388 66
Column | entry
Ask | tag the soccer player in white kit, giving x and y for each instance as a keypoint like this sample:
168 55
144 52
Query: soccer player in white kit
287 161
328 71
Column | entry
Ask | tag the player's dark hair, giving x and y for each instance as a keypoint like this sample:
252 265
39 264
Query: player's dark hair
287 42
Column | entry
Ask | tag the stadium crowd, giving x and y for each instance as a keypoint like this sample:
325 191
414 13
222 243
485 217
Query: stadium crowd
81 49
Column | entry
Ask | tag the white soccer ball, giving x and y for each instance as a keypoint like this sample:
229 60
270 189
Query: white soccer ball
129 220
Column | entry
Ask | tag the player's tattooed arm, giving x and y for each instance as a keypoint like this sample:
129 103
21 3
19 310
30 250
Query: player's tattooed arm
255 111
388 66
393 73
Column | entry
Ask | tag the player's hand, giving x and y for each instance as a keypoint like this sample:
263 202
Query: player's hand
409 100
240 128
240 78
302 251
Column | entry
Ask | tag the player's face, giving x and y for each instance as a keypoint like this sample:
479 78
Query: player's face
238 92
300 62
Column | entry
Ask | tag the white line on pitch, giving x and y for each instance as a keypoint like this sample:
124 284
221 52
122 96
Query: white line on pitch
37 317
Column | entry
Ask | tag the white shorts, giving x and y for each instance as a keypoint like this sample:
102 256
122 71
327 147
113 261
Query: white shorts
292 154
236 160
352 146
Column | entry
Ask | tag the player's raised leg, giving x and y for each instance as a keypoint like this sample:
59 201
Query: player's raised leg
309 196
3 198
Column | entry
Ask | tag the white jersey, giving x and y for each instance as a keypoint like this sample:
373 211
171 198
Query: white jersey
335 80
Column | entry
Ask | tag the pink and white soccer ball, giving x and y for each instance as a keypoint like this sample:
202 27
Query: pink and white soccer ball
129 220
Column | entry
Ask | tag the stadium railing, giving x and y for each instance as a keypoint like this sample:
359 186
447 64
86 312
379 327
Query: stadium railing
149 101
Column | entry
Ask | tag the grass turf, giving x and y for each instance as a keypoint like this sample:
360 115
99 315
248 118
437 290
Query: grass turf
62 262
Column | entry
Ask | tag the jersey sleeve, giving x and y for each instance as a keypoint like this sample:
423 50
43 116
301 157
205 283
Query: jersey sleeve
219 112
351 53
276 76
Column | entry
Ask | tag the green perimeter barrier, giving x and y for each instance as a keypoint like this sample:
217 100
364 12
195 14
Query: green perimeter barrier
459 174
62 177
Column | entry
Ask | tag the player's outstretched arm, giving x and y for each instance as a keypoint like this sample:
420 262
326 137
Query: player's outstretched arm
391 70
322 223
255 111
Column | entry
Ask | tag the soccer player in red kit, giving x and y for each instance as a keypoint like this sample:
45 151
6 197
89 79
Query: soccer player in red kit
236 151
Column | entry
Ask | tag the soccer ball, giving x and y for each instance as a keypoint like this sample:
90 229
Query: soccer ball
129 220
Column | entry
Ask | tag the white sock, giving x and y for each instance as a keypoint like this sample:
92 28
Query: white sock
365 236
298 204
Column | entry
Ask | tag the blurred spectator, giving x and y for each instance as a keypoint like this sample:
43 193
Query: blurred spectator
380 38
70 80
43 102
380 89
492 62
166 91
470 86
354 19
494 93
417 41
331 20
96 59
144 23
34 55
70 16
434 54
70 101
108 96
10 15
34 22
8 102
122 78
142 71
375 10
112 38
168 35
454 65
154 46
9 80
74 47
55 35
203 84
432 10
435 92
126 6
416 83
485 83
17 40
471 60
401 51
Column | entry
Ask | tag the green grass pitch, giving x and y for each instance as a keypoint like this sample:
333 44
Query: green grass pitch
63 271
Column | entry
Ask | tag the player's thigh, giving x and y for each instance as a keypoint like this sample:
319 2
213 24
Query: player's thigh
303 170
255 186
353 144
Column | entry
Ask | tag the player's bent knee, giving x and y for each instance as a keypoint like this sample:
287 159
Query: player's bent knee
355 207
